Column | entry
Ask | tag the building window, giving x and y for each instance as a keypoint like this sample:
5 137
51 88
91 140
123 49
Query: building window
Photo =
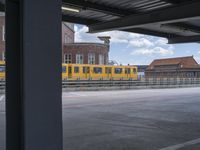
79 58
91 58
68 59
107 59
66 39
3 33
101 59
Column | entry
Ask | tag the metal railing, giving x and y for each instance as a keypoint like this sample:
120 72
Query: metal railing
144 83
159 82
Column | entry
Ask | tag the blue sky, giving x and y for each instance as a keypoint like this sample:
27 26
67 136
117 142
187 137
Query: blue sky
135 49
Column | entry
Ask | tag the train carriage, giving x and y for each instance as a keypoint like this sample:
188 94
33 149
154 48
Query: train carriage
124 73
90 72
2 70
79 72
65 70
97 72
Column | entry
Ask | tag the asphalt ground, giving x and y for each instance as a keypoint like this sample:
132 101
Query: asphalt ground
156 119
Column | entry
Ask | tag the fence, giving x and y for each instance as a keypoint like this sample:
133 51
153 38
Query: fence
126 84
131 84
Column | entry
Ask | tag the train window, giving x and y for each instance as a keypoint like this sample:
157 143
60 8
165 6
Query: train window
118 70
108 70
134 70
76 69
86 70
97 70
64 69
127 70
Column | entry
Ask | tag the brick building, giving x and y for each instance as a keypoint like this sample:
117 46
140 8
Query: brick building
88 53
2 36
67 33
181 67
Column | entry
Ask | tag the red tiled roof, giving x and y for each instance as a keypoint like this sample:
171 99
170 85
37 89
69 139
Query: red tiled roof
186 62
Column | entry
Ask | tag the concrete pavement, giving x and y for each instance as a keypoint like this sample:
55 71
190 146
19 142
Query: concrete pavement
156 119
131 120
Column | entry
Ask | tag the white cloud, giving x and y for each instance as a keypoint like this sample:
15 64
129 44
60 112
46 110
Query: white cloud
188 52
161 41
133 40
141 42
171 47
198 52
81 35
153 51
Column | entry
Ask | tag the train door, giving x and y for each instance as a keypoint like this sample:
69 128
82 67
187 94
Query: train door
70 72
128 73
86 72
108 71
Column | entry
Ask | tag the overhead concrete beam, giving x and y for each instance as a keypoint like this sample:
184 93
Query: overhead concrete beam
169 15
184 39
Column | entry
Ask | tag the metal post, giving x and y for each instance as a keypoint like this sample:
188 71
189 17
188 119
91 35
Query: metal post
33 75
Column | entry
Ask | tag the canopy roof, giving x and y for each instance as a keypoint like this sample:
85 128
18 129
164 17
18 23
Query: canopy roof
176 20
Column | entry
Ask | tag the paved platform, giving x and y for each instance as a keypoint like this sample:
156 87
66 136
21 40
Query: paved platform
157 119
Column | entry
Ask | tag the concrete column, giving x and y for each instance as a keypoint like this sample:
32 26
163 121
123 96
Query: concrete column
33 75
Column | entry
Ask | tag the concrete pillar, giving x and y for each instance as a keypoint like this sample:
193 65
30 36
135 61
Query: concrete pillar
33 75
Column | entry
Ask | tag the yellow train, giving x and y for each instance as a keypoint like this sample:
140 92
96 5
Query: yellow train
98 72
2 70
91 72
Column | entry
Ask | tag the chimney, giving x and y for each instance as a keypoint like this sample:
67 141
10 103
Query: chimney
106 39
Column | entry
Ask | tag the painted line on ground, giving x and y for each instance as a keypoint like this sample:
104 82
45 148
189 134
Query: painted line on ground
74 94
1 98
178 146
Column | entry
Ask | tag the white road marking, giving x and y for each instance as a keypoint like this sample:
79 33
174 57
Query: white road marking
73 94
81 94
2 97
178 146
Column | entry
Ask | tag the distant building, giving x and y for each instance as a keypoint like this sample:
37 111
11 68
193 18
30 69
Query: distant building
181 67
67 34
87 53
141 71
